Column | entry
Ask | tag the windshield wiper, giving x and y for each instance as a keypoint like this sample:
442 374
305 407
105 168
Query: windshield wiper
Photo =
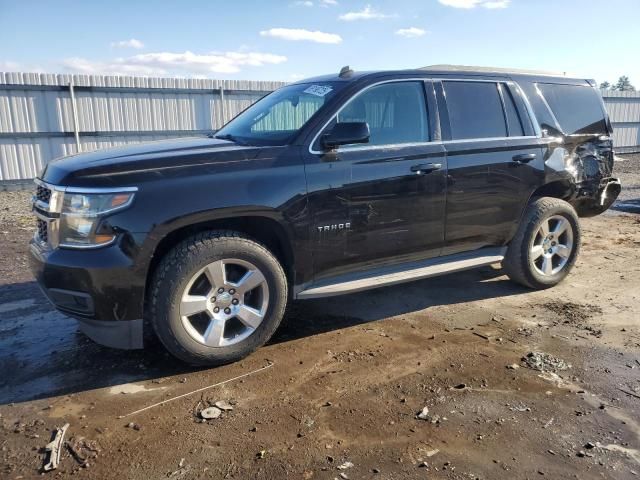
231 138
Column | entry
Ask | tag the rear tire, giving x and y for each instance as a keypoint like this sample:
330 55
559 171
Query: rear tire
216 297
546 245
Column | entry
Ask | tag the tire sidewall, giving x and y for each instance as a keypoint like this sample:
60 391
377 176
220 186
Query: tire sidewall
567 212
169 326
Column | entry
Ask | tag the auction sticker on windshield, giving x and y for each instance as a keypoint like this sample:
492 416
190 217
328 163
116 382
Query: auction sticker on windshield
318 90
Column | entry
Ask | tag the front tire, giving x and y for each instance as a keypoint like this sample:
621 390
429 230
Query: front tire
546 246
216 297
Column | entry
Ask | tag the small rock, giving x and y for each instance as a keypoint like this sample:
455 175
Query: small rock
460 386
345 465
544 362
210 413
513 366
135 426
423 414
224 405
590 445
423 465
375 470
581 454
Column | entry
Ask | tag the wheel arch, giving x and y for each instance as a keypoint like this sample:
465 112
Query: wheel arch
264 226
562 189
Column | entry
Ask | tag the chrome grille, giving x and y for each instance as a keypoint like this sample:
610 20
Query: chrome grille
43 232
43 194
43 201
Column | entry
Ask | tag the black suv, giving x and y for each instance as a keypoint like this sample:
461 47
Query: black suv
327 186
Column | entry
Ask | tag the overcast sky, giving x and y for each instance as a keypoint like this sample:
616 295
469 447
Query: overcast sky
288 40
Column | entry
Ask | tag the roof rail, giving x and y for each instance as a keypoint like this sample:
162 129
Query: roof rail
468 68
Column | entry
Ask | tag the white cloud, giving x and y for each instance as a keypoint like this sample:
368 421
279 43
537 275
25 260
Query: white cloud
131 43
368 13
9 66
180 64
309 3
460 3
411 32
490 4
299 34
496 4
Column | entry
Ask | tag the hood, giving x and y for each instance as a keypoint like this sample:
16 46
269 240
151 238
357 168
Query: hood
114 166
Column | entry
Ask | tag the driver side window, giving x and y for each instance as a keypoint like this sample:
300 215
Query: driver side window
395 112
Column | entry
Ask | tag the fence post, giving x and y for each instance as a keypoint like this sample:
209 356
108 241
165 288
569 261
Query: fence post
74 109
223 112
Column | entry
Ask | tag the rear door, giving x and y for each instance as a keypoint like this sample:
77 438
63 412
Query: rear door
494 161
381 202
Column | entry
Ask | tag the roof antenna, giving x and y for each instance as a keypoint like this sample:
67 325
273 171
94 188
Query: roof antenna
345 72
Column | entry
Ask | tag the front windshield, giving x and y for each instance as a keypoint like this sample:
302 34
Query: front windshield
276 118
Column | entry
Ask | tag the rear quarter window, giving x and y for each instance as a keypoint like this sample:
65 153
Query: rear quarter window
577 108
475 110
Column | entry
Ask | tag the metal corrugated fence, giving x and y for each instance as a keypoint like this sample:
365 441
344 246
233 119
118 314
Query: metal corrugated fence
624 111
44 116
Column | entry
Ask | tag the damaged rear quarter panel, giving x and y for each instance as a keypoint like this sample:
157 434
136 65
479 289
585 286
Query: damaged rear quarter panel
578 167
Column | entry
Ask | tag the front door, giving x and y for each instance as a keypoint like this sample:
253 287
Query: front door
378 203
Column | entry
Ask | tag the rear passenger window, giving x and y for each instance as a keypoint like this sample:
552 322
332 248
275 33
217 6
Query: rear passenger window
396 113
475 110
513 119
577 108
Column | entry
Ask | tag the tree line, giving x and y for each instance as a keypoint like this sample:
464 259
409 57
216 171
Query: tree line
622 85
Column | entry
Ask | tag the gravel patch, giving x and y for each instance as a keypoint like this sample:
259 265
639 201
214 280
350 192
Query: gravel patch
15 210
17 225
628 171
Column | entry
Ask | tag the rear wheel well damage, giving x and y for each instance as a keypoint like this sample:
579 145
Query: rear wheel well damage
557 189
262 229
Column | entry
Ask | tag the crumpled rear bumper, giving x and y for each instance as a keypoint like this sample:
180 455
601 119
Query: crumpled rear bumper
595 199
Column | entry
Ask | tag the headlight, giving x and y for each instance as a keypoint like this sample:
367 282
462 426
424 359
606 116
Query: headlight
80 217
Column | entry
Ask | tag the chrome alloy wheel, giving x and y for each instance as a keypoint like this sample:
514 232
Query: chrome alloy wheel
552 245
224 302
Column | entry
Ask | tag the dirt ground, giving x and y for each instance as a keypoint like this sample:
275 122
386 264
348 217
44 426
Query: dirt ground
348 378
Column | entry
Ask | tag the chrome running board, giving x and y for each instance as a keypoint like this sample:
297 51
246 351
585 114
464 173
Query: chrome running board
407 272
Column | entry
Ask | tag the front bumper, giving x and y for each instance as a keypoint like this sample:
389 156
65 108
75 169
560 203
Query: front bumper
99 288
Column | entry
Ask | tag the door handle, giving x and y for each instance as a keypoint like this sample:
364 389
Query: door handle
524 157
423 168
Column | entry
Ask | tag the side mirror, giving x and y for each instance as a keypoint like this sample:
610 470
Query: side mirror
346 133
